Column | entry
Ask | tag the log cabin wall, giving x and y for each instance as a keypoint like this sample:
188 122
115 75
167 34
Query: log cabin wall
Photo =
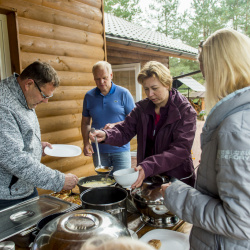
122 54
67 34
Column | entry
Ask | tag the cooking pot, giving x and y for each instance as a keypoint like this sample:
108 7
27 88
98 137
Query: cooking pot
93 178
149 202
71 230
108 199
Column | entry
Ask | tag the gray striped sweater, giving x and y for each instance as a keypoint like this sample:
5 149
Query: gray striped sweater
20 146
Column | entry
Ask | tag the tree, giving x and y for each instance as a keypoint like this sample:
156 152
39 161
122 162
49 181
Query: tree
166 14
126 9
236 14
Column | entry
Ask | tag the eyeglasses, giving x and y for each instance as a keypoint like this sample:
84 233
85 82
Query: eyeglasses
43 95
200 46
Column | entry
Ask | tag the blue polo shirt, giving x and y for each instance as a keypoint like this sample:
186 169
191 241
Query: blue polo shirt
113 107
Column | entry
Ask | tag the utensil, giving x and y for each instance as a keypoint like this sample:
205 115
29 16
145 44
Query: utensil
100 169
97 149
169 239
83 181
126 177
71 230
109 199
149 202
63 150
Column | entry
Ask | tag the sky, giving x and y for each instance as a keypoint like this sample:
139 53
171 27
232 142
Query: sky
184 4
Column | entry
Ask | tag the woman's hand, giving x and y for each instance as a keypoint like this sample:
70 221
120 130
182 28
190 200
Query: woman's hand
99 134
164 187
44 145
140 178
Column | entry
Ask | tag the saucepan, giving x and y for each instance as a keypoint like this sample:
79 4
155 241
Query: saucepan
85 183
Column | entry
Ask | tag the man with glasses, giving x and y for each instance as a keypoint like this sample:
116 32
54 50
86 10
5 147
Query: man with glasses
21 147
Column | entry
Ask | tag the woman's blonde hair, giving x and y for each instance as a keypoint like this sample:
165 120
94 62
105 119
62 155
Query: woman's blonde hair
107 243
225 56
156 69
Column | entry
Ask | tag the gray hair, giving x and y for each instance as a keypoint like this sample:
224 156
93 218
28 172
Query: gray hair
102 64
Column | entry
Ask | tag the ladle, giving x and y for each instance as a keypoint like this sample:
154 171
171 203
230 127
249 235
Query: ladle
99 168
97 149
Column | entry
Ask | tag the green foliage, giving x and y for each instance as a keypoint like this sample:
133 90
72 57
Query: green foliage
194 25
126 9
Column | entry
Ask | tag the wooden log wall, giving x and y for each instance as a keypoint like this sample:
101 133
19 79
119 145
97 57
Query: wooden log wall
69 35
122 54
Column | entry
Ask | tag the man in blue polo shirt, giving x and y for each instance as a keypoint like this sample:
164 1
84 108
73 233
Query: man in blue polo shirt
106 105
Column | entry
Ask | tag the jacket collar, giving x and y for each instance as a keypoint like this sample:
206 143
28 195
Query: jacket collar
171 111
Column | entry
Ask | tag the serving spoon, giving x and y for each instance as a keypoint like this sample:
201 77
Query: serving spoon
99 168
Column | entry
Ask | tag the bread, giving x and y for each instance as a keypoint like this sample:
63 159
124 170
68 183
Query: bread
155 243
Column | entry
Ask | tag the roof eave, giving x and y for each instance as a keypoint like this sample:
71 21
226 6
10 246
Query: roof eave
143 45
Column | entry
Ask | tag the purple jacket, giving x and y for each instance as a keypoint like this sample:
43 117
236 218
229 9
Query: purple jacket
173 141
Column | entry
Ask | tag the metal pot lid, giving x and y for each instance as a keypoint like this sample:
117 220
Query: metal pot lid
25 215
148 193
74 228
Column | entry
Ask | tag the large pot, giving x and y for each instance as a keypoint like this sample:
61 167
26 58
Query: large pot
90 179
149 202
108 199
71 230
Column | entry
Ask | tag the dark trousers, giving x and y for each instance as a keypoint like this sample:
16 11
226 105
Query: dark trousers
7 203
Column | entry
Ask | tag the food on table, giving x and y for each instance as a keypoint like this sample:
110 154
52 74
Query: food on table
102 183
155 243
67 196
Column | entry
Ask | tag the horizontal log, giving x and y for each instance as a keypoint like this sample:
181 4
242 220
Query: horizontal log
61 122
57 32
59 108
134 55
63 136
75 8
80 66
76 79
81 171
60 48
70 93
67 164
118 61
95 3
44 14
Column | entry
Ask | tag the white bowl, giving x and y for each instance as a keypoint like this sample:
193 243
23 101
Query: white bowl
126 177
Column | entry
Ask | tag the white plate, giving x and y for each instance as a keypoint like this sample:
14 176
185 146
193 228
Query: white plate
133 234
169 239
61 150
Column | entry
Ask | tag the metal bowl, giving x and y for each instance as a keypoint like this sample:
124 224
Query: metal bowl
149 202
71 230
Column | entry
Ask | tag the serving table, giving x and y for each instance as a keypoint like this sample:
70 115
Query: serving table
136 224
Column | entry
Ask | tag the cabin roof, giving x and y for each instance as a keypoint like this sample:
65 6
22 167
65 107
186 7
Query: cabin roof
121 31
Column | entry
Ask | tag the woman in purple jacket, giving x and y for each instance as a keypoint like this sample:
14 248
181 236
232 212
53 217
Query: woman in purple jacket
165 125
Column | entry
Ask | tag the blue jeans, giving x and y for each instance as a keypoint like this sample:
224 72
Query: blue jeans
7 203
119 160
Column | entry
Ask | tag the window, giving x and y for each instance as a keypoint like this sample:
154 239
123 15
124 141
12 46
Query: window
125 75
